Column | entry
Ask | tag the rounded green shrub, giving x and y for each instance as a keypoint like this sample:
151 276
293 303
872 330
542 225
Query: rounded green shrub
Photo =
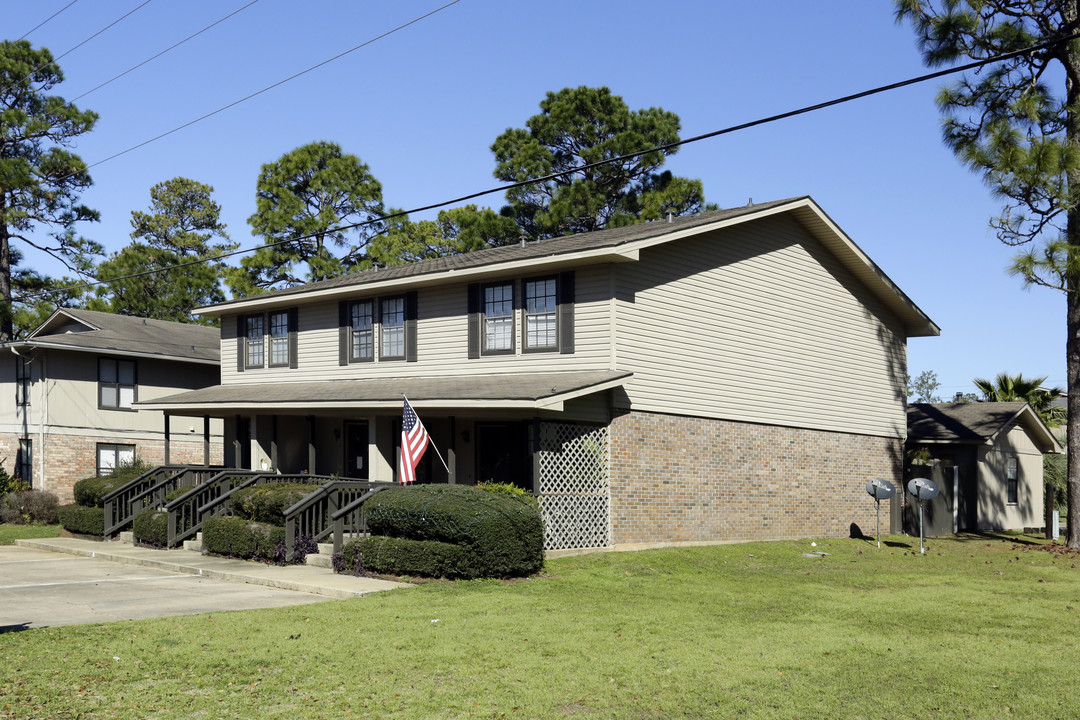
268 503
503 535
90 491
29 507
397 556
242 538
151 527
82 519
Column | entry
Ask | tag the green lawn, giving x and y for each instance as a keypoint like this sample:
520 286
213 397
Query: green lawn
10 533
977 628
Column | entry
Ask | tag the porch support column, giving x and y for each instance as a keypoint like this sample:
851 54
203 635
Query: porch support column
534 448
451 454
311 444
166 438
206 440
237 451
273 444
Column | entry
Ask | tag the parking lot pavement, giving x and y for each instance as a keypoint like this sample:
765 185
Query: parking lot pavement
47 589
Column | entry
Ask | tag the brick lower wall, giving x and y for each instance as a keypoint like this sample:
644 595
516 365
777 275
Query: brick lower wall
688 479
70 458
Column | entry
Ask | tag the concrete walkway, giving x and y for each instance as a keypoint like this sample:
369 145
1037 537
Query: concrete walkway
301 578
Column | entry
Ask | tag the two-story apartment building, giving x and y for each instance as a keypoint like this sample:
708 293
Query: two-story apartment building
730 375
69 392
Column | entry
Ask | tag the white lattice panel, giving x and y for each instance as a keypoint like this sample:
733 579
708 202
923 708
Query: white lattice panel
573 485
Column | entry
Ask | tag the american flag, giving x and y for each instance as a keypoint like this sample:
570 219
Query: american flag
414 441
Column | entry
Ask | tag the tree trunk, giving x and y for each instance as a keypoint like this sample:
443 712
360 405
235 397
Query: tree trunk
1071 61
6 310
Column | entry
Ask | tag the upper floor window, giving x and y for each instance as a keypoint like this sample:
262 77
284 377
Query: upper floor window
377 329
392 328
498 318
253 356
22 381
361 331
266 340
541 322
116 383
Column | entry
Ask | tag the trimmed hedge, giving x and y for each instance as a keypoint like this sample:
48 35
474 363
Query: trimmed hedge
397 556
27 507
268 503
90 491
499 535
81 519
151 527
242 538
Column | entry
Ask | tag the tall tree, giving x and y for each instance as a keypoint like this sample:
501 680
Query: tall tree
301 201
151 277
1017 388
580 126
923 387
40 181
1017 123
455 231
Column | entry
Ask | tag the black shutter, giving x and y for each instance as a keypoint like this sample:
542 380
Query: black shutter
294 321
241 333
343 332
566 312
474 320
410 327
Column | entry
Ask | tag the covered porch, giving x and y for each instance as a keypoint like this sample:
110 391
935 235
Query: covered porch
544 432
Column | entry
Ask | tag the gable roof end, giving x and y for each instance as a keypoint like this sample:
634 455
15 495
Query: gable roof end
978 423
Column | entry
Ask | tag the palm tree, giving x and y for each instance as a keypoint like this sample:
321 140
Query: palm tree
1017 388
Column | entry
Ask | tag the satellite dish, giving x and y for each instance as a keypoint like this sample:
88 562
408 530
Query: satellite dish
922 489
880 489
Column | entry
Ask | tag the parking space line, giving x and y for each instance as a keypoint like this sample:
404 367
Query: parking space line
95 582
41 560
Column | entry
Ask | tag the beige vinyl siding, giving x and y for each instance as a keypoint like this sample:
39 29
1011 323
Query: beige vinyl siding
442 340
995 512
759 323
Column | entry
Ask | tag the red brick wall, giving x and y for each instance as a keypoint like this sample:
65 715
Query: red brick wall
689 479
70 458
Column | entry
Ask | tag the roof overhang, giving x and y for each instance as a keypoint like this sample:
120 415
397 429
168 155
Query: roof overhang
20 345
519 391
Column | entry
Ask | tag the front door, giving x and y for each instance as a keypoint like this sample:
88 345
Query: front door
502 454
356 450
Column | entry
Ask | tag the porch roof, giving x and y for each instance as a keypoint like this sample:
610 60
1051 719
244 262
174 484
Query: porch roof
538 391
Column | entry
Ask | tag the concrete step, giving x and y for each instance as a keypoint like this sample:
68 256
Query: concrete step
319 560
194 545
326 548
127 537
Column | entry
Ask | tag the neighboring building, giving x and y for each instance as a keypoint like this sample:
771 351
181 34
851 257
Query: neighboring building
69 392
729 375
987 460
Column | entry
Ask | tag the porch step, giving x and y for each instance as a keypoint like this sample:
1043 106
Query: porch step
195 545
324 558
127 537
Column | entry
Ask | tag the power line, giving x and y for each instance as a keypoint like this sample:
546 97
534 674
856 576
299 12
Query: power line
48 19
171 47
271 87
588 166
130 12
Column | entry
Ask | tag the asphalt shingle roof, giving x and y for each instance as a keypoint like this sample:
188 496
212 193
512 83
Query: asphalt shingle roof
959 422
125 334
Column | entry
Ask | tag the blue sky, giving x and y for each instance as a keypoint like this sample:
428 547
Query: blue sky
422 106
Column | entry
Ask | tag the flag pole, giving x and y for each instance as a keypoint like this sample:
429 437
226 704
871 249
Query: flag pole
433 446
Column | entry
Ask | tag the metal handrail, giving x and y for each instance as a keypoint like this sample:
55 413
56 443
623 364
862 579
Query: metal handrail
154 496
311 515
184 521
353 513
221 505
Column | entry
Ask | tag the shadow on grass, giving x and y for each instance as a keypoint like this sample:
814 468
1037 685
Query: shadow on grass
1013 537
895 543
14 628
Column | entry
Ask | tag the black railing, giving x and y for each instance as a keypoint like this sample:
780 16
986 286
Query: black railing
157 494
352 518
184 519
312 516
118 502
222 505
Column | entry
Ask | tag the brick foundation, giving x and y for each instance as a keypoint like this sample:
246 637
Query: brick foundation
70 458
689 479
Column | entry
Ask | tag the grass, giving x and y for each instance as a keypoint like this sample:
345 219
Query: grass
980 627
10 533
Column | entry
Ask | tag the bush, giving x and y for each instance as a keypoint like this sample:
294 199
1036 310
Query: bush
397 556
151 527
511 491
82 519
242 538
10 484
268 503
502 535
131 470
89 492
29 507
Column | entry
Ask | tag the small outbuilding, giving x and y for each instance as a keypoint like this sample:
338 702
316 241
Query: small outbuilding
987 460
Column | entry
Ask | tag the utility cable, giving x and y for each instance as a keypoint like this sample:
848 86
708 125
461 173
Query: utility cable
130 12
48 19
629 156
171 47
271 87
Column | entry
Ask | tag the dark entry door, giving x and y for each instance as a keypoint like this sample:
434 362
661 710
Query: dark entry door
356 450
502 454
